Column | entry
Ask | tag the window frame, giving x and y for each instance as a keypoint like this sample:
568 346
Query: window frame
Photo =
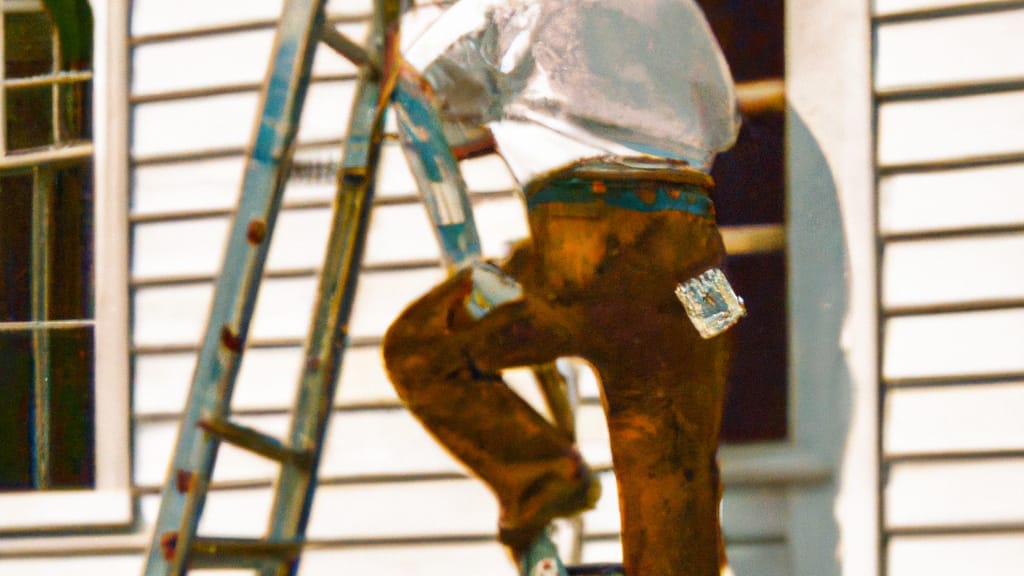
109 503
828 464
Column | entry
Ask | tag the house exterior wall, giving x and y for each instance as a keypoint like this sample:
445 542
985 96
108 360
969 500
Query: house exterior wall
393 502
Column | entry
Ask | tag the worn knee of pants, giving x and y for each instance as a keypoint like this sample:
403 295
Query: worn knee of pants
445 368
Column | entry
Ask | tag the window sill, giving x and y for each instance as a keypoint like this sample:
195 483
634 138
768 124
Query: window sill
761 464
65 510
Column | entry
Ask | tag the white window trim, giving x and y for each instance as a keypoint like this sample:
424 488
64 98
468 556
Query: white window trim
833 526
828 465
109 504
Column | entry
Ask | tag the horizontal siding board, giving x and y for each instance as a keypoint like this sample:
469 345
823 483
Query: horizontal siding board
382 296
193 124
421 560
359 443
952 271
487 174
955 555
198 185
154 442
390 442
958 419
155 18
950 129
504 220
226 120
170 315
952 200
168 249
933 52
962 344
397 233
176 315
300 239
954 493
266 381
368 443
462 507
205 184
105 565
325 112
236 58
230 59
158 17
890 7
400 233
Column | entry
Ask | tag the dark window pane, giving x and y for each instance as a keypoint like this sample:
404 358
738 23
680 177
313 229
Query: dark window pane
28 44
72 430
29 117
755 409
16 368
70 250
749 178
75 104
15 248
751 35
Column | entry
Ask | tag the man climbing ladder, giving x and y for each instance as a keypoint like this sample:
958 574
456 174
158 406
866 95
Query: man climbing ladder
609 114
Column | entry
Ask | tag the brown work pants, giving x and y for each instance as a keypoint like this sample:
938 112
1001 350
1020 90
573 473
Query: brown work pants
597 286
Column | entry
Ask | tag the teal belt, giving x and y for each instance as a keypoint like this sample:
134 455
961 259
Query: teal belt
623 194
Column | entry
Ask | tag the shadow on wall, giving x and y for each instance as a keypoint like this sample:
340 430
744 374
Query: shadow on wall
821 390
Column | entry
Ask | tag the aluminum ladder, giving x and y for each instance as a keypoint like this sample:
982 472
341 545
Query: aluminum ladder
175 547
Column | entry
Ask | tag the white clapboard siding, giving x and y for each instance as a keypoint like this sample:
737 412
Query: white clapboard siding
956 555
105 565
966 199
956 345
920 272
934 52
896 7
959 492
951 214
961 419
950 129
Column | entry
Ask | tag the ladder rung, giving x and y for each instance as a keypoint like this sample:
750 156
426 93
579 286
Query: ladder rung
255 441
595 570
343 45
240 552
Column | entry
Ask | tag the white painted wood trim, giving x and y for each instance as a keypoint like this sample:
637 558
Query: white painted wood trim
834 391
110 503
25 159
22 5
37 511
113 406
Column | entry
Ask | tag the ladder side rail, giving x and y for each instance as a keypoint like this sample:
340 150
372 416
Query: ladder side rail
436 172
188 478
328 329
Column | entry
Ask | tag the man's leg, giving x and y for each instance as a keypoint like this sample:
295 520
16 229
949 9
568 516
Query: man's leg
445 366
663 449
664 390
